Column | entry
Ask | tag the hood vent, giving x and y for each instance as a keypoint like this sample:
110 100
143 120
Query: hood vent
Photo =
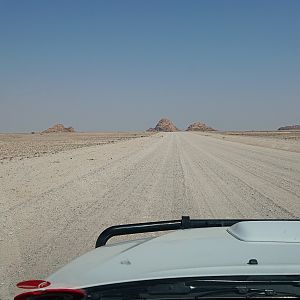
267 231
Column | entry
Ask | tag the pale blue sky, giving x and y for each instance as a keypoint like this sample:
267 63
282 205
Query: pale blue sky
122 65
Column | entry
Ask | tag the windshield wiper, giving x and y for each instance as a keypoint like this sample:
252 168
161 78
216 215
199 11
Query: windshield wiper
240 291
234 287
244 292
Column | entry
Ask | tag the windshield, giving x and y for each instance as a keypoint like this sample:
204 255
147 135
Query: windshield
205 287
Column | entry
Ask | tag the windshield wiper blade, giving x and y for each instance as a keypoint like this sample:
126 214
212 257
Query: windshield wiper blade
229 291
241 292
246 287
245 282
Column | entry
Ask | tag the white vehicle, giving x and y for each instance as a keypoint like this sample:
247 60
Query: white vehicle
198 259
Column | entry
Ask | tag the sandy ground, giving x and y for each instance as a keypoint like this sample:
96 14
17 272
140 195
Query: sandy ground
280 139
53 207
24 145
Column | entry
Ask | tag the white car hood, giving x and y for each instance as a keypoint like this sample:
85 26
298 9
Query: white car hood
187 253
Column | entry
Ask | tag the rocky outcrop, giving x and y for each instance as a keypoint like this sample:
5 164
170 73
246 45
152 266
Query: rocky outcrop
151 130
59 128
165 125
198 126
290 127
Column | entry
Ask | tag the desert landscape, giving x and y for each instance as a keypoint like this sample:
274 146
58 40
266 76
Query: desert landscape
281 140
25 145
59 190
121 112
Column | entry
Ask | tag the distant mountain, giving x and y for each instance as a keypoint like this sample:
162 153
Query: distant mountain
59 128
164 125
198 126
290 127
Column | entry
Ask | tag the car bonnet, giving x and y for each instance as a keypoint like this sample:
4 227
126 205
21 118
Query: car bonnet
185 253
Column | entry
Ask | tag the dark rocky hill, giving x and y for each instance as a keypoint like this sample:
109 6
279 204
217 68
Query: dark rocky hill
198 126
290 127
59 128
164 125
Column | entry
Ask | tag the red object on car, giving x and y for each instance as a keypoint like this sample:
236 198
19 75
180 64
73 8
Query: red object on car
52 294
33 284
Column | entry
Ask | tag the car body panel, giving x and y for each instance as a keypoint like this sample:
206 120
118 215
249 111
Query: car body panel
188 253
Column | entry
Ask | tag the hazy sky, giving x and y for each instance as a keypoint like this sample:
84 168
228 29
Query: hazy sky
122 65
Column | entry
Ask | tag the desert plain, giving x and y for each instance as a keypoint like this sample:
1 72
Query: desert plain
59 191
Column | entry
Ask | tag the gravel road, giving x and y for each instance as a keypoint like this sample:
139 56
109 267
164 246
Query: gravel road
53 207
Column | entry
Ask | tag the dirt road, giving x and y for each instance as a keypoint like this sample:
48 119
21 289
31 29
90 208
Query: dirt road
54 207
